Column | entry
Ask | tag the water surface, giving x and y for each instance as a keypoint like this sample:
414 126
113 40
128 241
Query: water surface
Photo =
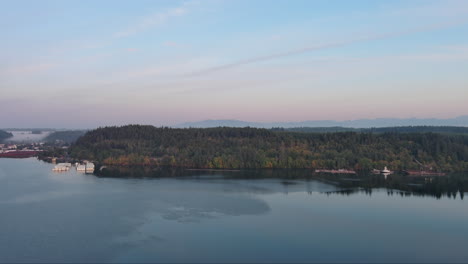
196 216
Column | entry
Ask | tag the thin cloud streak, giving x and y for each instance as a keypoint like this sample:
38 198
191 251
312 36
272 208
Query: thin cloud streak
426 28
154 20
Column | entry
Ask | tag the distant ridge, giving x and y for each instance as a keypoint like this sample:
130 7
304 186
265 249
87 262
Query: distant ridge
396 129
358 123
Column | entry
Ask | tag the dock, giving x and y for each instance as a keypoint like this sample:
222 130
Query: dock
340 171
62 167
423 173
88 167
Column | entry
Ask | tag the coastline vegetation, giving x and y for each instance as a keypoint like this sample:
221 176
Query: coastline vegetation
4 135
66 137
249 148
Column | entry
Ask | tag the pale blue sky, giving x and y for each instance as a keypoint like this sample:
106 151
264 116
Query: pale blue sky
94 63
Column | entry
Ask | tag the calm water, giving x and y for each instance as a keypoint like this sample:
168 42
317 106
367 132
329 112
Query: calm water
196 216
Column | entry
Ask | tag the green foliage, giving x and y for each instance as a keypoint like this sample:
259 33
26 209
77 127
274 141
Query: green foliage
52 151
4 135
232 148
64 136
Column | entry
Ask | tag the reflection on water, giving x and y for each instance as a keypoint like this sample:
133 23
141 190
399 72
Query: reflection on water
156 215
451 186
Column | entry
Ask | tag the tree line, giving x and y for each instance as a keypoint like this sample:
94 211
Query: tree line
4 135
66 137
235 148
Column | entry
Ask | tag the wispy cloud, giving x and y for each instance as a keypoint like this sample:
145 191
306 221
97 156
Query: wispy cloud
168 70
153 20
416 30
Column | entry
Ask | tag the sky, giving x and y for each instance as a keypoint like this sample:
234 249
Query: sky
85 64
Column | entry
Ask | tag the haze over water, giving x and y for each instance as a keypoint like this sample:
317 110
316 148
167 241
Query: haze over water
218 217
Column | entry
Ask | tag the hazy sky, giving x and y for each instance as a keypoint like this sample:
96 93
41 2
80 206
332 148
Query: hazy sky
92 63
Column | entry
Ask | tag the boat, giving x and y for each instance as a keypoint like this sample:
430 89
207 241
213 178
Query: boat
62 167
81 167
385 170
89 167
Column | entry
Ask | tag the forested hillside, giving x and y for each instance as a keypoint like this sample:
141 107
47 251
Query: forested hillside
68 136
261 148
4 135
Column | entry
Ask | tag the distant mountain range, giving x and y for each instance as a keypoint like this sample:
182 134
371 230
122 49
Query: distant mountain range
358 123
